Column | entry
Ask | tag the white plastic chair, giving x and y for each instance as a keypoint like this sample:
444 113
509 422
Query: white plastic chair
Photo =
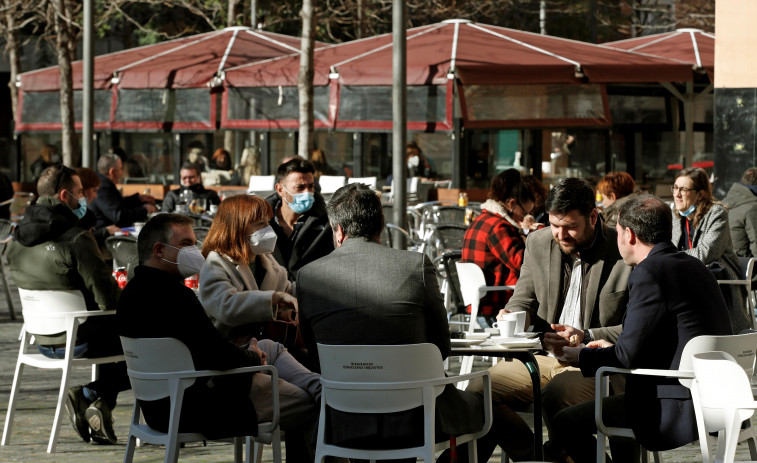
472 288
369 181
382 384
747 270
330 183
163 367
261 183
49 313
742 346
722 399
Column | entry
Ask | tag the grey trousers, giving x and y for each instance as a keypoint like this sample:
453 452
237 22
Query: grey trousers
299 399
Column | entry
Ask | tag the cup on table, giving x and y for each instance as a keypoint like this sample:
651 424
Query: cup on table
519 318
506 327
138 226
213 209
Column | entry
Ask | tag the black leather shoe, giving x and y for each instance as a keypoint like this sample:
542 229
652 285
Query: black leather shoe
101 421
76 405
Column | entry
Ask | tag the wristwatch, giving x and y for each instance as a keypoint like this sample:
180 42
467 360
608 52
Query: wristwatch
588 337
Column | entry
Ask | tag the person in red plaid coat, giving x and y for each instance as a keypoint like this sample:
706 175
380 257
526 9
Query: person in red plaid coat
495 241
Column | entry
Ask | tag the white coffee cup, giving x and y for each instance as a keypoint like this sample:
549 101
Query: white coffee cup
519 318
138 226
213 209
506 327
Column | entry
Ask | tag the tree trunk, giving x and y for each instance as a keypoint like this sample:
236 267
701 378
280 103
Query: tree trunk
63 50
11 38
305 80
231 19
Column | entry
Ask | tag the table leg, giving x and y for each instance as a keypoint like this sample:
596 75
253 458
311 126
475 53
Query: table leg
533 369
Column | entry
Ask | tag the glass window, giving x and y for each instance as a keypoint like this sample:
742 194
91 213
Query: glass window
530 102
424 103
638 109
44 107
274 103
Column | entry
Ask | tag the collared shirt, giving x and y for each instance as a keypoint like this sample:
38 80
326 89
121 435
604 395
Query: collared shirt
571 314
584 264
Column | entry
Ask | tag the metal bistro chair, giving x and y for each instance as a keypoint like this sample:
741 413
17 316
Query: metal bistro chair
442 238
747 271
124 252
200 234
450 286
6 235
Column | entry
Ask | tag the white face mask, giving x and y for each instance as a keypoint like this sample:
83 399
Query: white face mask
189 259
413 161
263 241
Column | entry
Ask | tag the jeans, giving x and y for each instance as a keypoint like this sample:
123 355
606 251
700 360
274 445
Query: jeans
60 352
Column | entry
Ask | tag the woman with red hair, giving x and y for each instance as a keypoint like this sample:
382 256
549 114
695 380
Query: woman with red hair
616 188
241 284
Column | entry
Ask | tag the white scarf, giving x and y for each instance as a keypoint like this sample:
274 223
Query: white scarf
496 207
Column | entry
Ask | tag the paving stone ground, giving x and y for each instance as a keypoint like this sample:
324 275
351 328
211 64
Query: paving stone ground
36 407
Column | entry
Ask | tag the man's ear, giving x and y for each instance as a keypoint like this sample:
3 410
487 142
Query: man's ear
593 216
338 235
62 196
157 249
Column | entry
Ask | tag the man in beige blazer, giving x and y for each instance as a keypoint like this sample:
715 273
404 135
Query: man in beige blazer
573 282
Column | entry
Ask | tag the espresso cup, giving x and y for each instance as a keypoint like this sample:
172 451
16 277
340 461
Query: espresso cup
506 327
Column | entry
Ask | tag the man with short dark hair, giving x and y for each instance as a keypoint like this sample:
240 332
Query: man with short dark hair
52 251
191 180
742 214
110 207
572 282
299 217
156 304
366 293
673 298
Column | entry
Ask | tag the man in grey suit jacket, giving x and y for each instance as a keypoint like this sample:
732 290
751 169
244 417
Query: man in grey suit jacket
366 293
573 282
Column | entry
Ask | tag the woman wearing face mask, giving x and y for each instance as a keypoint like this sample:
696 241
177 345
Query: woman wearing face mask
495 240
700 228
242 287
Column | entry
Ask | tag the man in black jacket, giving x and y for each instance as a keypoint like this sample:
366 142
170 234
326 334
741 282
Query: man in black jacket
299 217
156 304
110 207
191 180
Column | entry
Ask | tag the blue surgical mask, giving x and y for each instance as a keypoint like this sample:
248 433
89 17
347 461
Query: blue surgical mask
688 211
82 209
302 201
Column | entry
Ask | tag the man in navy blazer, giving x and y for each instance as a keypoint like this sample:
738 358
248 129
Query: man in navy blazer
672 299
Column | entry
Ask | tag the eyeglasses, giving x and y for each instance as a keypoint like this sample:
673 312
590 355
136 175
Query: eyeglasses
523 208
64 172
675 189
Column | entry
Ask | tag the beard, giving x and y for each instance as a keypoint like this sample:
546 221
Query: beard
574 246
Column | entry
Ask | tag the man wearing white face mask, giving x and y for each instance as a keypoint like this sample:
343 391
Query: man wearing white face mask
299 219
52 250
156 303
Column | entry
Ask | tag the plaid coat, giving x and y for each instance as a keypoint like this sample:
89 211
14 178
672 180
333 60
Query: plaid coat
496 245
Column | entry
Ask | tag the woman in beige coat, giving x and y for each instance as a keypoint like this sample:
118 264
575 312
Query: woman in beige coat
242 287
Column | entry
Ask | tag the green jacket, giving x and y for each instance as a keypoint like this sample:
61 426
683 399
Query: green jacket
742 219
50 251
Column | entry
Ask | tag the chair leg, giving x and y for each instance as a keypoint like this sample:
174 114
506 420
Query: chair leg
238 449
59 410
131 444
12 403
601 447
472 451
276 445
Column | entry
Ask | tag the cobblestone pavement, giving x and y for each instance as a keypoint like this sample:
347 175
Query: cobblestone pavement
36 407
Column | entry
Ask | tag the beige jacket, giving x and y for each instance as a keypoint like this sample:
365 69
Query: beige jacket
232 298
